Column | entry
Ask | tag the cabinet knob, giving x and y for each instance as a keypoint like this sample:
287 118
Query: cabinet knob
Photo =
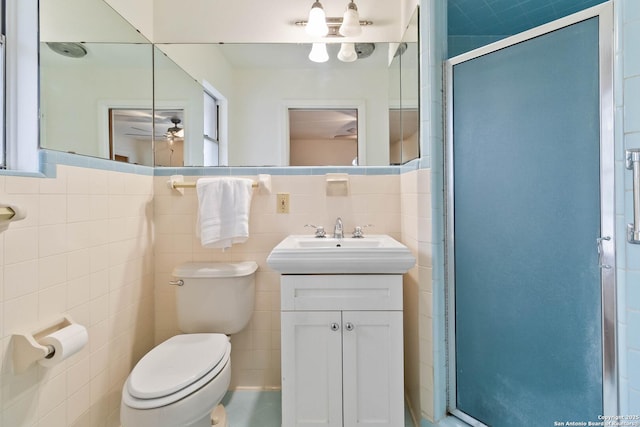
349 326
335 326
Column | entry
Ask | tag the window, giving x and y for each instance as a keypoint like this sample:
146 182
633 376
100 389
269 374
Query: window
2 85
20 85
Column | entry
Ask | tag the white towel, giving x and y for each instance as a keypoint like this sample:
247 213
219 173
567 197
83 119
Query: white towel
223 211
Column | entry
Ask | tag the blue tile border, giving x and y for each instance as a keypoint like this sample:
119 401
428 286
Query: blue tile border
49 159
290 170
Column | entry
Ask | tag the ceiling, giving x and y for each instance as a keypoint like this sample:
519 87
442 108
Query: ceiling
507 17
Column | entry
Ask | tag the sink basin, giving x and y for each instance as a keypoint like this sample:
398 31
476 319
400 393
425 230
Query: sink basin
372 254
307 242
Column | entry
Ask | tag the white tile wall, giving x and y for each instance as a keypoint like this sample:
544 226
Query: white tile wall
85 249
101 245
628 108
415 194
256 350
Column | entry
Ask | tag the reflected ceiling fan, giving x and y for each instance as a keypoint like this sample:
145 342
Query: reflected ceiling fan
175 131
144 132
172 134
348 131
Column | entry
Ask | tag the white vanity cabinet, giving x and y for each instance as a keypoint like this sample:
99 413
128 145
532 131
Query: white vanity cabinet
342 355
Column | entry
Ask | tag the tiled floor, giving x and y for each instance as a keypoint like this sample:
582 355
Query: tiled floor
261 409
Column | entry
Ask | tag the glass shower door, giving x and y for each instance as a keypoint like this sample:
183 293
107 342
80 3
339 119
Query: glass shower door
526 200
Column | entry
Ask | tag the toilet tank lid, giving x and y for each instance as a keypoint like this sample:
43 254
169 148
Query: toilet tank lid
215 269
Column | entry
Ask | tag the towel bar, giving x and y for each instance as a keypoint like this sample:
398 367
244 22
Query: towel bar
175 184
6 213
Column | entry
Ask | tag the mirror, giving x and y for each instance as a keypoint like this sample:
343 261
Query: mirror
229 101
404 100
94 67
260 83
179 120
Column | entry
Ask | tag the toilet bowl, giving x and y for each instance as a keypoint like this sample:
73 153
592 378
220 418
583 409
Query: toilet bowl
180 381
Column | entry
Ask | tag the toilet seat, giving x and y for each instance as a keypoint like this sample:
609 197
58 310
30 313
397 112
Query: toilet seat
176 368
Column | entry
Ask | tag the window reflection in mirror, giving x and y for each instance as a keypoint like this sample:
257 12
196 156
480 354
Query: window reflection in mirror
211 136
323 137
174 89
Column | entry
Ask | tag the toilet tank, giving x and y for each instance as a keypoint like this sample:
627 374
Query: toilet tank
215 297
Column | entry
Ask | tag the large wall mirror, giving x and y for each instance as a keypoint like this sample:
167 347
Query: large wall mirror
263 83
224 104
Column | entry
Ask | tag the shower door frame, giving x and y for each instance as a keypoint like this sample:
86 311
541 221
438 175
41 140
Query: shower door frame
604 13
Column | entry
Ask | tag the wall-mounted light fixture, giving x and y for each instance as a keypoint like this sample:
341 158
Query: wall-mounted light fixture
318 25
350 21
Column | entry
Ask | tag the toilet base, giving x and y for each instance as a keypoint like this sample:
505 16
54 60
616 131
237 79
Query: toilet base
219 416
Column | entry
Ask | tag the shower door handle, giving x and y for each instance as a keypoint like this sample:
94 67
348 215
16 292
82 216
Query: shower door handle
632 162
601 252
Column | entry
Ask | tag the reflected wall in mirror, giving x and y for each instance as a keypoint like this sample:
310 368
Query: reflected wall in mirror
92 63
261 81
404 90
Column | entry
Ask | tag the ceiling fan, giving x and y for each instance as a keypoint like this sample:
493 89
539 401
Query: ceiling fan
175 130
172 134
348 131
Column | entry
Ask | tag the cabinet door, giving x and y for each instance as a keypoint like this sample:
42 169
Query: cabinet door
311 369
373 369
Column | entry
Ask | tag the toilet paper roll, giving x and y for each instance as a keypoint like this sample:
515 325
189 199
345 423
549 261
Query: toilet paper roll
65 342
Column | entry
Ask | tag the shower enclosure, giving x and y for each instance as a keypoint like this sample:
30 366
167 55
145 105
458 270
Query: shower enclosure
531 265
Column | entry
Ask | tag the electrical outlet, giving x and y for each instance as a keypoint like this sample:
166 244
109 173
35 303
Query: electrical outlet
283 203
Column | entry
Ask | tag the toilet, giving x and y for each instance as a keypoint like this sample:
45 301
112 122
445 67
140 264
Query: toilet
181 381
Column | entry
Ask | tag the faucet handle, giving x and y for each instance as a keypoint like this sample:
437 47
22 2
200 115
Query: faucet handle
358 233
319 230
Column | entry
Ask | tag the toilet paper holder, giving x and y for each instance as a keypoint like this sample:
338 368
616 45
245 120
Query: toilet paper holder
26 348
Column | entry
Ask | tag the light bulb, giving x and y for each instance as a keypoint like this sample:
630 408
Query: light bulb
317 22
351 21
319 52
347 52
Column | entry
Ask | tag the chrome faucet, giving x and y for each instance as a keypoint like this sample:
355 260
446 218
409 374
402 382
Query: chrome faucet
338 229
